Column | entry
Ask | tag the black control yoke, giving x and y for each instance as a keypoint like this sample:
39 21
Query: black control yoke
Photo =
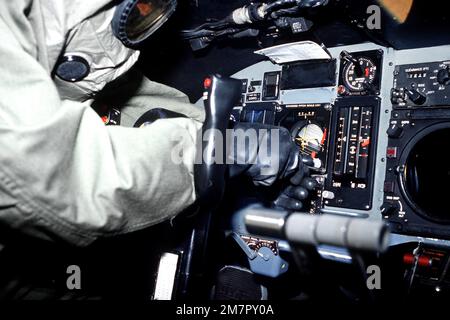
221 95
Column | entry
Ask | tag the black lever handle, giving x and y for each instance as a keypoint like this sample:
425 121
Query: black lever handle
359 71
221 95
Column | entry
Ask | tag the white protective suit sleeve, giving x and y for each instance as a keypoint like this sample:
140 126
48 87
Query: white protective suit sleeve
64 175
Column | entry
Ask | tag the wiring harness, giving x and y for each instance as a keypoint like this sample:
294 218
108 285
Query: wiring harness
248 21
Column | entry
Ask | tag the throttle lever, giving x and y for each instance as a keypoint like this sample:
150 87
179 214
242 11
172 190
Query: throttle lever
220 97
327 229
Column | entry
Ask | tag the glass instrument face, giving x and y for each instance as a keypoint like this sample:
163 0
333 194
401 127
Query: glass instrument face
310 139
356 78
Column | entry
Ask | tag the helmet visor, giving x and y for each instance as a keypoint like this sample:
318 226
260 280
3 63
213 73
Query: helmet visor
136 20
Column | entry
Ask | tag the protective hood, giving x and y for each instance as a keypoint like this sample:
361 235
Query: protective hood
76 11
74 40
82 29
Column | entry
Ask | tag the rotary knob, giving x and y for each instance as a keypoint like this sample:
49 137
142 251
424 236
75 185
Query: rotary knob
415 96
443 76
389 209
395 131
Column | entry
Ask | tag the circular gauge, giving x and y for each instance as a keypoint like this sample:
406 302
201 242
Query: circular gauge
356 78
425 181
310 138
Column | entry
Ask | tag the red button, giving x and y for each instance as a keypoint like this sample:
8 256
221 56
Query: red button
341 90
207 83
391 152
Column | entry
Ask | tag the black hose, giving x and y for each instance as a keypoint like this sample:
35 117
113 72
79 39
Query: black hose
278 4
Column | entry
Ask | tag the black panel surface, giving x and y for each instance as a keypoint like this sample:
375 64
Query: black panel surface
353 152
426 79
308 75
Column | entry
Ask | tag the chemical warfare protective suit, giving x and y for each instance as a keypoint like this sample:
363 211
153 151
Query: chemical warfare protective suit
63 173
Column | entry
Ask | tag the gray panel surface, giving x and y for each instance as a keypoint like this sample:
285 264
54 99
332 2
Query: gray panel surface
391 58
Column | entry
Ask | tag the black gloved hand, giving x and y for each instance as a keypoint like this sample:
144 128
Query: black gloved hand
290 164
298 188
264 153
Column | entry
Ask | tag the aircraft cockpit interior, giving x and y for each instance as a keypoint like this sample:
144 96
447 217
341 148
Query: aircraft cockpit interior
363 88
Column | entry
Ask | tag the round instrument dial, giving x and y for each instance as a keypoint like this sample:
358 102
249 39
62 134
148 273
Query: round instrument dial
356 78
310 139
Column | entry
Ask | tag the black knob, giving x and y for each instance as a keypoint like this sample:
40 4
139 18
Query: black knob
395 131
389 209
443 76
415 96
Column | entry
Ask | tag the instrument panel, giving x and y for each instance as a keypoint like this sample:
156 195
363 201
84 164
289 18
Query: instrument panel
352 160
422 84
359 115
418 167
338 129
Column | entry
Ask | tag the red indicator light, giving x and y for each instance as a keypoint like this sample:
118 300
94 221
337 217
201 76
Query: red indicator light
365 143
207 83
391 152
422 261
